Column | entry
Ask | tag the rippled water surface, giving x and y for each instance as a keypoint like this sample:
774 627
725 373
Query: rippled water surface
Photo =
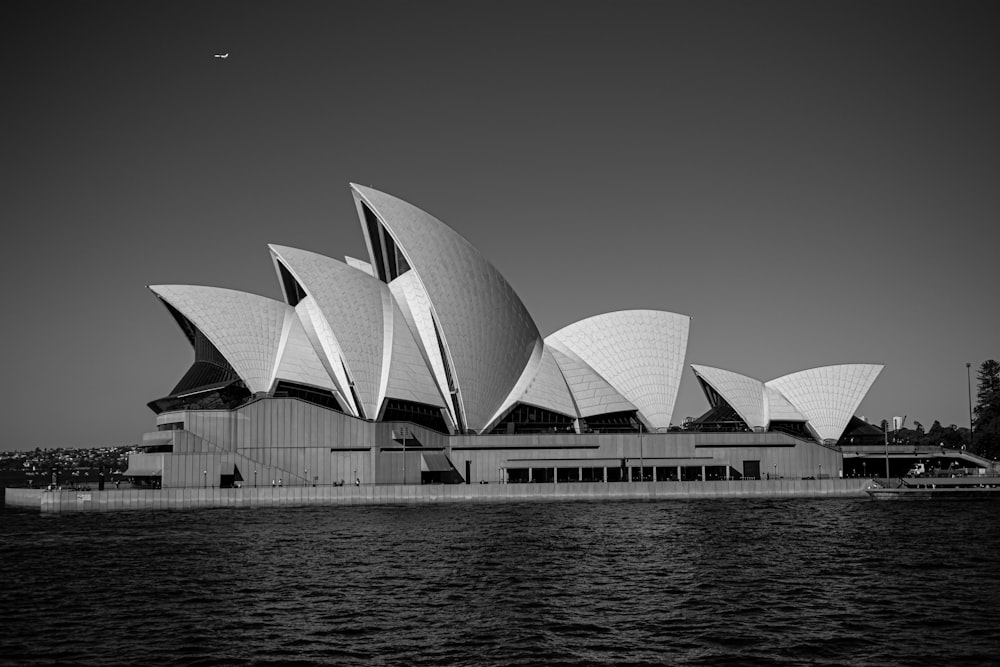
708 582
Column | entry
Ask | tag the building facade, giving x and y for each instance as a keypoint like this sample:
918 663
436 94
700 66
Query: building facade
422 365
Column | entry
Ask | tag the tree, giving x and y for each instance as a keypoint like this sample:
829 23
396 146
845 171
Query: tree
987 412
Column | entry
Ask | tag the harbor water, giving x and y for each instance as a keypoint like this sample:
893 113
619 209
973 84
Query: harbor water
684 582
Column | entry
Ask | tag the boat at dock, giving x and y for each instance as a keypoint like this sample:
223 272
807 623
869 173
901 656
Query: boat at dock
937 487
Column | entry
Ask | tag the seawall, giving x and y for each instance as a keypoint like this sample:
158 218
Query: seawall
117 500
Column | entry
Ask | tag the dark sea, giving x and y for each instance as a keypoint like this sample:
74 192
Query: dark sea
702 582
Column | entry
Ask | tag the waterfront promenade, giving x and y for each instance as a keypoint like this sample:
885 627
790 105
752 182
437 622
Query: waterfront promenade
116 500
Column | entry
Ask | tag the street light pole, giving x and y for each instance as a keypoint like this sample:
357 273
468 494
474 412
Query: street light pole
886 434
968 375
642 466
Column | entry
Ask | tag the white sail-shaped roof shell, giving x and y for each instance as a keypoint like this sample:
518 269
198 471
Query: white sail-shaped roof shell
373 340
415 307
327 349
487 334
358 309
779 409
548 388
824 397
297 359
639 352
828 396
541 385
744 394
245 328
409 378
591 393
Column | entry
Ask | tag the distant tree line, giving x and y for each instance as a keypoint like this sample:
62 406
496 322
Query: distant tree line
985 436
986 415
950 437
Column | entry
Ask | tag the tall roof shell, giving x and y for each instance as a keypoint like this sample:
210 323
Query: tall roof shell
487 332
828 396
639 352
358 309
245 328
416 310
744 394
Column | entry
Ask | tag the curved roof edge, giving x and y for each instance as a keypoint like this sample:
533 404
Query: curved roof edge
828 395
245 328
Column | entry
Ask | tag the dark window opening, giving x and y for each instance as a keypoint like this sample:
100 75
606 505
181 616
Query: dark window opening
860 432
524 418
720 418
794 429
224 396
402 266
232 481
354 391
543 475
390 253
185 324
209 368
429 416
304 392
170 426
626 421
209 384
374 228
293 290
452 389
517 475
204 374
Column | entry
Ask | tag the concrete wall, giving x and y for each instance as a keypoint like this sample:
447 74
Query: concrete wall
284 438
369 494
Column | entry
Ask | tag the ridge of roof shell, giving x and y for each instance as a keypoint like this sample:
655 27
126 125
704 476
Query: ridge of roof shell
487 333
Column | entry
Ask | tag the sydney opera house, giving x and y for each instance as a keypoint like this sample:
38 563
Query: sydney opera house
422 366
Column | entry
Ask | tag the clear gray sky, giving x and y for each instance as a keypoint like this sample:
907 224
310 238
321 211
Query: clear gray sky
813 182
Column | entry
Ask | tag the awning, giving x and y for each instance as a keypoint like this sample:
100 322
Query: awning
434 462
563 463
630 461
162 440
633 461
143 471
